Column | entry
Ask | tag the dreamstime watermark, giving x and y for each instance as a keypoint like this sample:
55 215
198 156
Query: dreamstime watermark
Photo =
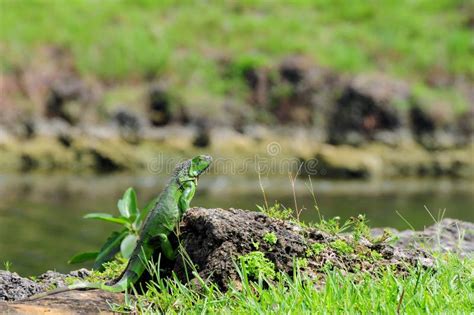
273 148
269 163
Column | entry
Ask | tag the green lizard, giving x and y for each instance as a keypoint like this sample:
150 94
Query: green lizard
160 222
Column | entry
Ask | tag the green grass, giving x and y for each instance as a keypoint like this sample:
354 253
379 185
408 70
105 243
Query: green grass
119 40
449 290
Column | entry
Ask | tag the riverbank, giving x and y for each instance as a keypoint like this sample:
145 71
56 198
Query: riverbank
326 259
272 151
351 106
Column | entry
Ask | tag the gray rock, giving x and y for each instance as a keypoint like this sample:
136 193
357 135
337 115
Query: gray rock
367 107
448 235
13 287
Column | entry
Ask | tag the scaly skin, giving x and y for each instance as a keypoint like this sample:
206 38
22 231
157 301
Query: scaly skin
159 224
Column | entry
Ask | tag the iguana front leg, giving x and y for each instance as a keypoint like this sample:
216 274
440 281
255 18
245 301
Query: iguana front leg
189 188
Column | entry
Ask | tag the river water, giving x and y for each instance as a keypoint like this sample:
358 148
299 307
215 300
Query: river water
41 225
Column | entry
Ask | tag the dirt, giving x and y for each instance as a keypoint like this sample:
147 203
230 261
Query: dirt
214 239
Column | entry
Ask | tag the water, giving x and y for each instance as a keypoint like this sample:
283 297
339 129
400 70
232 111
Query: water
41 225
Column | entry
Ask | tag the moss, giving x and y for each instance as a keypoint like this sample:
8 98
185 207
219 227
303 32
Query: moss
113 270
374 255
301 262
257 265
256 245
317 248
270 238
341 246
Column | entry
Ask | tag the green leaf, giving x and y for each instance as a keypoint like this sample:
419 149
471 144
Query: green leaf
82 257
106 217
128 245
109 249
128 204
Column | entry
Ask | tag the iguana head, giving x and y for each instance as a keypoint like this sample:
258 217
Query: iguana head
191 169
199 165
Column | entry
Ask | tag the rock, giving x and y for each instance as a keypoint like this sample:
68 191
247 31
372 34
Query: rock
465 125
304 93
215 238
448 235
159 106
436 127
345 162
164 107
297 92
293 69
68 90
367 106
203 138
13 287
130 125
258 80
70 302
24 129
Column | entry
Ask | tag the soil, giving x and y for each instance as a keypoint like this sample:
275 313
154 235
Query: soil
214 239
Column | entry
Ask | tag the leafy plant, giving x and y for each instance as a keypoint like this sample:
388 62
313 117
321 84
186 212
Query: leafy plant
277 211
301 262
256 245
341 246
361 229
112 270
270 238
122 241
256 265
374 255
333 225
7 265
315 249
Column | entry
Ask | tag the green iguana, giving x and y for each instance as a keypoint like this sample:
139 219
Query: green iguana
160 222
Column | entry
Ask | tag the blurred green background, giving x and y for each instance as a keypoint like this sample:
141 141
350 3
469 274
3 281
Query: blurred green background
185 40
378 94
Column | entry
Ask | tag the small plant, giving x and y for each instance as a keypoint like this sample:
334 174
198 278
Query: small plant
301 262
112 270
317 248
341 246
257 265
256 245
375 256
277 211
123 241
270 238
333 226
328 266
388 237
361 229
7 265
